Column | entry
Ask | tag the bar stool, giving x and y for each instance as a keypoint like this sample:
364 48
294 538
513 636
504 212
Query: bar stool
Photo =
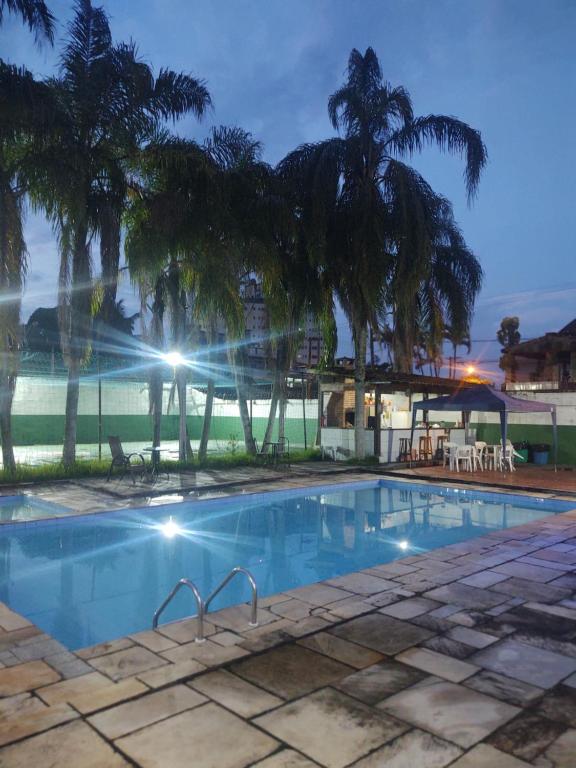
439 455
425 448
404 453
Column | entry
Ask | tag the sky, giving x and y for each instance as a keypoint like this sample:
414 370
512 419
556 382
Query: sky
507 67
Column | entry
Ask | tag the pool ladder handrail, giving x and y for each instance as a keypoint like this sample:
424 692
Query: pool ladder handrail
203 605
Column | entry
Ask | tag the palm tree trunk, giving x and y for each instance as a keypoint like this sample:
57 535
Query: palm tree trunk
359 389
182 432
6 397
156 397
71 419
282 402
205 436
242 401
109 258
272 413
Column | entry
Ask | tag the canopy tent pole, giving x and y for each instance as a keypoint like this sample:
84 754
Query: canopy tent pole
414 410
554 438
504 430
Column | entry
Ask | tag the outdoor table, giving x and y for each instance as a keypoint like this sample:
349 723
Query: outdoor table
155 452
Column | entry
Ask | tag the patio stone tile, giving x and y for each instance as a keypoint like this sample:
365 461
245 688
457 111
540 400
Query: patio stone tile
485 756
565 556
133 715
286 758
450 711
319 594
25 677
382 633
467 597
531 590
154 641
9 620
208 653
362 583
237 617
67 690
531 665
348 653
185 631
375 683
394 569
560 754
559 705
127 663
33 720
570 681
483 579
553 610
291 671
45 646
504 688
17 636
527 735
417 749
114 693
102 648
437 664
433 623
529 572
226 638
331 728
171 673
234 693
292 609
408 609
355 606
472 637
448 647
569 581
56 747
68 665
198 732
20 703
307 626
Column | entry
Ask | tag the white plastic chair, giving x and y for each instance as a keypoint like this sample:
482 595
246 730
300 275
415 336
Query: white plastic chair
506 457
464 455
480 447
449 456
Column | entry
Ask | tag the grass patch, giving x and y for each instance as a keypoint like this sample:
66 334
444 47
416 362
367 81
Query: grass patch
25 473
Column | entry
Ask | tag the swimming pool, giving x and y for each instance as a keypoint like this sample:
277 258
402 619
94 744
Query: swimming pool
97 577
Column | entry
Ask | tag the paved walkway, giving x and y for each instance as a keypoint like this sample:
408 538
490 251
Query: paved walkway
462 657
562 481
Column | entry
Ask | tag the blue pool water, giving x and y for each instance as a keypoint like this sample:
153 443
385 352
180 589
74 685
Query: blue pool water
97 577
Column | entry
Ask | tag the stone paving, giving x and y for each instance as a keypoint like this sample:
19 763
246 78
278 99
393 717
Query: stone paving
464 656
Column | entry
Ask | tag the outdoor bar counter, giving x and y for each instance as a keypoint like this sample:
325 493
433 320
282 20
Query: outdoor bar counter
339 443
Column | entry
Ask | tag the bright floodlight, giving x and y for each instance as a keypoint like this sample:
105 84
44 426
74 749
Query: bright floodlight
170 529
174 358
403 544
470 369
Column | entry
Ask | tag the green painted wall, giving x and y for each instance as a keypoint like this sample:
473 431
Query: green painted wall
490 433
49 430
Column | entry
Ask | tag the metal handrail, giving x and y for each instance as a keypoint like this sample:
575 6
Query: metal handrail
203 605
199 602
254 602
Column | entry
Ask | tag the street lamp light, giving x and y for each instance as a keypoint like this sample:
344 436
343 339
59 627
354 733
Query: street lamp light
174 358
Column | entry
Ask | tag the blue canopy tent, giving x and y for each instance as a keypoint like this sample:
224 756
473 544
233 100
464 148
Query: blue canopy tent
481 397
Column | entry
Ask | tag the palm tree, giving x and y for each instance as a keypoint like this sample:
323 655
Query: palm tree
26 109
34 13
367 209
449 283
107 102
